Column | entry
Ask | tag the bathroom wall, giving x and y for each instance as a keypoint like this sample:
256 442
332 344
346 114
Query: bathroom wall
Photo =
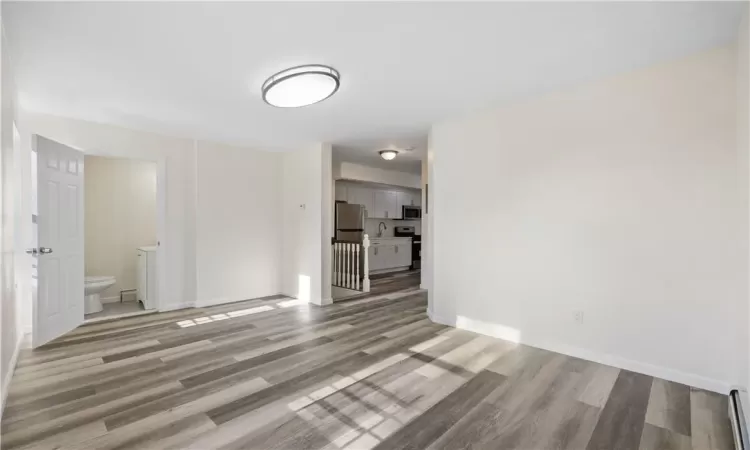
120 216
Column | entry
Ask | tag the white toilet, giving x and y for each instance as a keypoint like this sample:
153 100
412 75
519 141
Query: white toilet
93 286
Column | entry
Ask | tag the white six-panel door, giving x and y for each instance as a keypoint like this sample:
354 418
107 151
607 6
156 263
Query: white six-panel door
58 303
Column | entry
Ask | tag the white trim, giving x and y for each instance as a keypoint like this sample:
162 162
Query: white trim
441 320
115 299
217 301
653 370
176 306
326 301
9 375
423 286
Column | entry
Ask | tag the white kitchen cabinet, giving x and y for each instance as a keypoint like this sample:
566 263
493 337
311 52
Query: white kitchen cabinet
404 198
389 253
386 205
381 256
402 254
361 196
416 198
380 202
341 192
409 199
146 291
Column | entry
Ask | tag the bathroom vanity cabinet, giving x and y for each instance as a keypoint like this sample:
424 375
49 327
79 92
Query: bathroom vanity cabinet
146 291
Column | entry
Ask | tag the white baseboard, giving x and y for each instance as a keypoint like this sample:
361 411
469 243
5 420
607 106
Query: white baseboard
653 370
116 299
441 320
9 375
176 306
213 302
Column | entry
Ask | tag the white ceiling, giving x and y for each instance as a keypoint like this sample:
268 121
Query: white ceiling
195 69
365 151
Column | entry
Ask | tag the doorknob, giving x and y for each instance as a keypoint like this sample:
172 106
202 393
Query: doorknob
44 250
32 251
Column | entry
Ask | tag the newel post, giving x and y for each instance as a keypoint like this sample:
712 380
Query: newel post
366 280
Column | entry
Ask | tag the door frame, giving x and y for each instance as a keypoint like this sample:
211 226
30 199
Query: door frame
161 209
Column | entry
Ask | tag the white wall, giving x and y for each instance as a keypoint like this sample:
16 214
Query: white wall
425 225
743 149
359 172
619 198
238 223
305 227
327 216
10 307
120 216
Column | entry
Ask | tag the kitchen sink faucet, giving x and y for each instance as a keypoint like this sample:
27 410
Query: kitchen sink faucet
380 232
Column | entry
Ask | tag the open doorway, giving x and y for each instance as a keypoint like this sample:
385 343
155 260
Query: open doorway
120 236
58 189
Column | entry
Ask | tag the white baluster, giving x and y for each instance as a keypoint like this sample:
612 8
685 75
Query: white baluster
356 264
349 268
346 261
366 268
341 264
338 264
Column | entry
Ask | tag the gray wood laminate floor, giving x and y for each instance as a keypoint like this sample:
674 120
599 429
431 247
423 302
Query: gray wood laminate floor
372 372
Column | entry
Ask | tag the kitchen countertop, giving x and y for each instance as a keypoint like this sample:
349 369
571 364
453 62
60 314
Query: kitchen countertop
381 239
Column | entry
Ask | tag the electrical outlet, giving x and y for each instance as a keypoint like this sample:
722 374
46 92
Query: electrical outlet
578 317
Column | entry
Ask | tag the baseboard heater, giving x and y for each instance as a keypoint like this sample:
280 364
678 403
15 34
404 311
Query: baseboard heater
739 402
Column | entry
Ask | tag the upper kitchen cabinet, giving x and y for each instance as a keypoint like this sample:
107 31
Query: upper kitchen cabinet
409 199
416 198
341 192
362 196
381 202
386 205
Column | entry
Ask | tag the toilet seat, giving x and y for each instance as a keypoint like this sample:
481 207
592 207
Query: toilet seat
98 279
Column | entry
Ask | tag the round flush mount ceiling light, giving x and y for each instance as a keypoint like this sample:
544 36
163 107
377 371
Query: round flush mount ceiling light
388 154
300 86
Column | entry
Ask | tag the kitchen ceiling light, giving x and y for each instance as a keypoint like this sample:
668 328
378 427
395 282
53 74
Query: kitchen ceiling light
388 154
300 86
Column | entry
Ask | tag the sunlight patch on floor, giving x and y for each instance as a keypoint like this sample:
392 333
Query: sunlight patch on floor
228 315
371 427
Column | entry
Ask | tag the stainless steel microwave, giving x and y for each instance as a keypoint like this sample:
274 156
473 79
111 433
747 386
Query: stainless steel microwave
411 212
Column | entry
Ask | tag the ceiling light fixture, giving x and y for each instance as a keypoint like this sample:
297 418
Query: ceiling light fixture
388 154
300 86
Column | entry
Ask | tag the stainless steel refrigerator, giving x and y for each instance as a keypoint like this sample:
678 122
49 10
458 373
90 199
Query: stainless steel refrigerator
350 222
